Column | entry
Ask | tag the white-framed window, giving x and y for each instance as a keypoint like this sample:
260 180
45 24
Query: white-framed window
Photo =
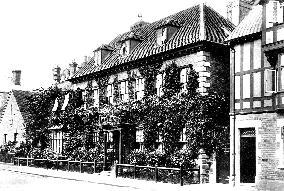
160 83
110 90
161 36
124 96
57 141
139 88
96 97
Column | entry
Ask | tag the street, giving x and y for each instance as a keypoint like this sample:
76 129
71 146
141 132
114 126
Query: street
17 181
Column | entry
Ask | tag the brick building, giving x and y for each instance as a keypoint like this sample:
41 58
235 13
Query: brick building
257 58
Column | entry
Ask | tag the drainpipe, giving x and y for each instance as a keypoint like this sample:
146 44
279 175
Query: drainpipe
233 123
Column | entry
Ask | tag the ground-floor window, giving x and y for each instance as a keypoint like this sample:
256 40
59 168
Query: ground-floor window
57 141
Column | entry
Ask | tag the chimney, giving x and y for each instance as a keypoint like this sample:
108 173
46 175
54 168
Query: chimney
16 79
238 9
73 68
56 74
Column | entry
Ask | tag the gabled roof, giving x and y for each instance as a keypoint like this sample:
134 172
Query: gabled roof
22 101
4 97
251 24
193 21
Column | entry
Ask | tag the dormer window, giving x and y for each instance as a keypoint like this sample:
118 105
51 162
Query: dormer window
129 42
166 30
124 50
161 36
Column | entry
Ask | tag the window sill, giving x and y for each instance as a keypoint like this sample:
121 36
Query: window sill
281 167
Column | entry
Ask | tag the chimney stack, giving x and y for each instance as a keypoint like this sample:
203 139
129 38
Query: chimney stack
56 74
73 68
16 79
238 9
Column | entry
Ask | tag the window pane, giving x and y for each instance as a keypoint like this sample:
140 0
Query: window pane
282 79
246 86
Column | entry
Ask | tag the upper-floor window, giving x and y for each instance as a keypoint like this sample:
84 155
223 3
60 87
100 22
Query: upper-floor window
139 88
274 77
159 83
110 90
96 98
161 36
124 91
184 78
274 13
15 137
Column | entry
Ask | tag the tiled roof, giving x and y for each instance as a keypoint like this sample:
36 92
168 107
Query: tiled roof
131 35
215 29
104 47
251 24
4 97
22 101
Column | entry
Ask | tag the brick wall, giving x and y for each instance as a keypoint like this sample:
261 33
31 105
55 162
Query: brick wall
268 148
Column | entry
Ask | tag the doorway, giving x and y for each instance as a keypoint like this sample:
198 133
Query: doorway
247 156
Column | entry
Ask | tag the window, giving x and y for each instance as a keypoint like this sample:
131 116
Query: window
159 83
96 98
15 137
281 72
124 91
110 93
161 36
183 135
124 49
139 89
184 78
57 141
5 138
270 81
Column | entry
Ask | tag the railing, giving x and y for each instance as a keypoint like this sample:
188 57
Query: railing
65 165
159 174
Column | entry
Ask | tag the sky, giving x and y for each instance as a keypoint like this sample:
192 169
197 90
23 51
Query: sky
37 35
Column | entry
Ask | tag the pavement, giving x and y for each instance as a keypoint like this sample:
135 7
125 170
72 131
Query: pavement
122 182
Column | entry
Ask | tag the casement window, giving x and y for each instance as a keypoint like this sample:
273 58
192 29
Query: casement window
110 90
274 78
96 97
57 141
139 88
139 135
161 36
159 84
124 96
274 13
281 72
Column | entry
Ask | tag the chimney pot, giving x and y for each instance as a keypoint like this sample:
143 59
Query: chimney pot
16 79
